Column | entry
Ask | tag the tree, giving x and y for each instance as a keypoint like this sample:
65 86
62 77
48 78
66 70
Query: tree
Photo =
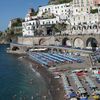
17 22
60 1
1 33
93 11
59 27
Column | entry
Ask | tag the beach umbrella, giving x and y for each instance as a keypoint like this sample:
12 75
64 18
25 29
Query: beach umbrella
84 98
96 97
99 72
73 94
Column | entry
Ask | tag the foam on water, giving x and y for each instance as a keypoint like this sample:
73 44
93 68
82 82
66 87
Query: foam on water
15 79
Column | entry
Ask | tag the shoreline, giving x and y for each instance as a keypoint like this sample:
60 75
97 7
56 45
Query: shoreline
54 86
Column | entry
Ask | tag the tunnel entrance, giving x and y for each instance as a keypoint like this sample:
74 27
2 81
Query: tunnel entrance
78 43
49 31
66 42
92 43
15 48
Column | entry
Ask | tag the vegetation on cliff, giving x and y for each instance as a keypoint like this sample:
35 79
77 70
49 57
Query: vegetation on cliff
59 27
59 1
17 22
11 33
93 11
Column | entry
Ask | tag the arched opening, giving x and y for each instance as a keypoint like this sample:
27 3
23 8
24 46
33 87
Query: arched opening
79 28
55 50
73 28
84 27
91 43
66 42
15 48
10 40
78 43
90 27
94 26
41 41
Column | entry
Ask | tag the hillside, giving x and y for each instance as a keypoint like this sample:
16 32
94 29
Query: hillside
11 33
59 1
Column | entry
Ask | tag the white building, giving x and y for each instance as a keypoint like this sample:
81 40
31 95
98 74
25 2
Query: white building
87 18
59 10
82 3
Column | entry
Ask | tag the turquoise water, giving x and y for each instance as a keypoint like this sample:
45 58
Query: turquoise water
17 79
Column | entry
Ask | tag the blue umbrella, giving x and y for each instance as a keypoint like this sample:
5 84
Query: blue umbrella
84 98
73 94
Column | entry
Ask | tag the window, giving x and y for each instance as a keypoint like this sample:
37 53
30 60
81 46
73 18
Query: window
81 9
87 9
49 9
45 10
29 23
28 28
43 22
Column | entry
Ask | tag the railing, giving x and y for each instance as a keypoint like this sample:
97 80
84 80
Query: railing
64 48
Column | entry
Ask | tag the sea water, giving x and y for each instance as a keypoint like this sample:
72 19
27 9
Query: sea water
18 81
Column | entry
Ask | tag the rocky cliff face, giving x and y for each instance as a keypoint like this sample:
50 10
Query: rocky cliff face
3 41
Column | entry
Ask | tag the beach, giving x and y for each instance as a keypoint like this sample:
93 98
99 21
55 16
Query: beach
55 88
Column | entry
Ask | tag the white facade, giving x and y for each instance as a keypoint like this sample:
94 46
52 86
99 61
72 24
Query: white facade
28 28
87 18
30 25
82 3
49 21
61 9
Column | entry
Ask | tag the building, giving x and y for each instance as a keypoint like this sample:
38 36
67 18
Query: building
58 10
96 2
75 14
34 22
87 19
82 3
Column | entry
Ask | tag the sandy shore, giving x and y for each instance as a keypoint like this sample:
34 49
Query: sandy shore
54 86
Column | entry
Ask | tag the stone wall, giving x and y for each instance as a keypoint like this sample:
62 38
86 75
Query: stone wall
81 41
25 40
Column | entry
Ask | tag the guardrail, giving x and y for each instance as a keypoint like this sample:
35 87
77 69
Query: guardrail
64 48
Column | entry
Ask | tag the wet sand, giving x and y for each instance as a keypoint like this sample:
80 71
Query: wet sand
54 86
